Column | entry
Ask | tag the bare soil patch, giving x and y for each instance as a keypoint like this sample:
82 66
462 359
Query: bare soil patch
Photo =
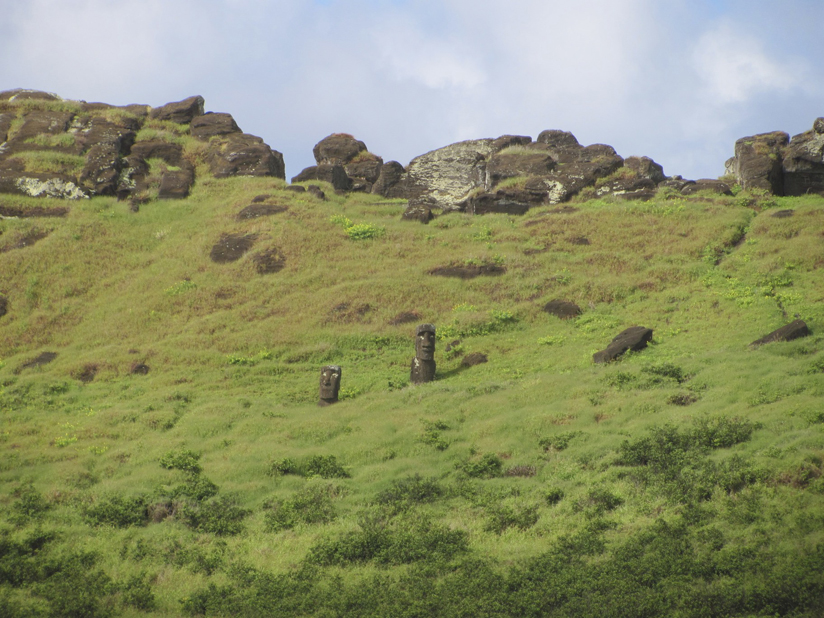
38 361
405 317
269 261
231 247
468 272
26 240
37 211
86 373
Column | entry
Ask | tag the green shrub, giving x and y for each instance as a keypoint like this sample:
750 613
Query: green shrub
197 488
279 467
502 517
326 467
118 511
393 542
182 459
137 593
405 493
488 466
221 516
364 231
311 505
554 496
432 434
664 372
559 441
30 505
598 501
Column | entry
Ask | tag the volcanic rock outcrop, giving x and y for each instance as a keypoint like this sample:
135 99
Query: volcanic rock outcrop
775 163
72 149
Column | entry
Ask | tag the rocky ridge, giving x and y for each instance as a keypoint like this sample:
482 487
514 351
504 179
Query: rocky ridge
72 149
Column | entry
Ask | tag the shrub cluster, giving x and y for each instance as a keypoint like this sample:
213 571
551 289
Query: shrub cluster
311 505
324 466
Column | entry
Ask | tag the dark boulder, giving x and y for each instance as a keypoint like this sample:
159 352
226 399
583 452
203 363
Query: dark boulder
515 162
99 130
181 112
175 184
558 139
391 181
475 358
337 149
231 247
707 184
804 162
511 201
40 122
101 174
212 124
316 191
506 141
366 166
757 163
634 338
4 305
23 94
241 154
156 149
417 212
333 174
788 332
562 309
644 167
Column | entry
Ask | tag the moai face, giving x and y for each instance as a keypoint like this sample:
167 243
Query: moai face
425 342
329 383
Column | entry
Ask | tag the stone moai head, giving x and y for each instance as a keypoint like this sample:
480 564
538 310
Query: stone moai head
425 342
329 384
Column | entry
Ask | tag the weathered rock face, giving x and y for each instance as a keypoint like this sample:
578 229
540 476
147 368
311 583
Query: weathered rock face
563 309
365 167
518 161
788 332
634 338
706 184
114 163
213 124
241 154
391 182
181 112
804 162
757 161
446 176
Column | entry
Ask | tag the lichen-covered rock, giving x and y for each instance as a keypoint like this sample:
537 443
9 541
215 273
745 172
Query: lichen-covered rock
634 338
391 182
212 124
337 149
181 112
104 160
803 162
757 163
788 332
41 185
444 177
241 154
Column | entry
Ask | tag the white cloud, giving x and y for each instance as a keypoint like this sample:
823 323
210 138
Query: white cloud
736 66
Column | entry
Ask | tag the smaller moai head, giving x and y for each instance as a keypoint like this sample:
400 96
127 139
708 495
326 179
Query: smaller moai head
425 342
329 384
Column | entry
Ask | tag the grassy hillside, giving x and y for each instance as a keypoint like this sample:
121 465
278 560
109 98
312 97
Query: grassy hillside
171 458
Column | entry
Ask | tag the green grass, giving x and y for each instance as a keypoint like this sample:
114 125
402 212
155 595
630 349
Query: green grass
49 161
527 485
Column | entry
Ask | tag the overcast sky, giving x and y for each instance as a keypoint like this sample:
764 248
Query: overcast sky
675 80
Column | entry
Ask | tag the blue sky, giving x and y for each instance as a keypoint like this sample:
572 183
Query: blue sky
677 81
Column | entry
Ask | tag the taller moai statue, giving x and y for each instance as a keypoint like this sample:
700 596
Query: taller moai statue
329 385
423 365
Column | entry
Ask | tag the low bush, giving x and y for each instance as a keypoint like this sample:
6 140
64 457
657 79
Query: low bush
488 466
502 517
598 501
559 441
405 493
118 511
182 459
324 466
311 505
221 516
29 506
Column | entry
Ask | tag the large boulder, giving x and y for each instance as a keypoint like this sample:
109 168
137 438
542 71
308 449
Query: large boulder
578 167
634 338
757 163
804 162
515 161
108 143
181 112
175 184
644 167
788 332
337 149
706 184
40 185
23 94
158 149
333 174
391 181
241 154
212 124
513 200
43 122
444 177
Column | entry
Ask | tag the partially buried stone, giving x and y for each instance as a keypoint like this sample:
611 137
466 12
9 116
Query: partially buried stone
329 385
634 338
423 365
788 332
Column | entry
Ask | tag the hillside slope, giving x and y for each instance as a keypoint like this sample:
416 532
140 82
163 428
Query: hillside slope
162 450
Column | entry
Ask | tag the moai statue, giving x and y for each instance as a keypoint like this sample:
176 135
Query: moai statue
329 385
423 365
